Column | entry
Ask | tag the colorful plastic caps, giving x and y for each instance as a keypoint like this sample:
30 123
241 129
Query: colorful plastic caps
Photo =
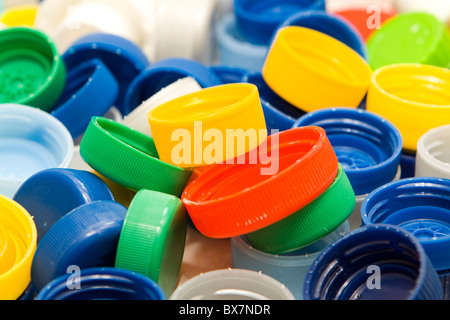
413 97
312 70
17 246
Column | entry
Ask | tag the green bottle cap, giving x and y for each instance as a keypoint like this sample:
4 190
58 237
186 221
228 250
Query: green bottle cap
31 71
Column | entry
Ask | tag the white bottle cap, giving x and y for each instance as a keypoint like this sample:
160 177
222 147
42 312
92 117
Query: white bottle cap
433 153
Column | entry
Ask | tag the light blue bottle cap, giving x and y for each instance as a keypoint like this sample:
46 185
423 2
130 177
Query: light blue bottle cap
367 145
86 237
419 205
31 140
234 50
257 20
91 90
330 24
376 262
102 284
163 73
50 194
290 269
123 58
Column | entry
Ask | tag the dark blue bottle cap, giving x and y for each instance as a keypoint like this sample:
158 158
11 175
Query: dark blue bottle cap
408 164
90 90
28 294
123 58
102 284
257 20
50 194
367 145
419 205
163 73
329 24
86 237
228 74
375 262
279 114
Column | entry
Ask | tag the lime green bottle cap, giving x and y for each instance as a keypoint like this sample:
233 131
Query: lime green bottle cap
31 70
415 37
153 238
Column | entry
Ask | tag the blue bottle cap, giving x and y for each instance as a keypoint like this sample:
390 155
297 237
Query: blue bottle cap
419 205
105 283
408 164
50 194
367 145
123 58
86 237
90 90
163 73
376 262
279 114
234 50
29 293
330 24
257 20
228 74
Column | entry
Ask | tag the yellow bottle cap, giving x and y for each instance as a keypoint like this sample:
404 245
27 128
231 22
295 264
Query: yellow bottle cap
19 16
213 125
19 244
312 70
413 97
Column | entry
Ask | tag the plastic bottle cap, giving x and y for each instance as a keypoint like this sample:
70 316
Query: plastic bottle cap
303 166
232 284
31 71
102 284
367 145
413 97
163 73
16 223
439 8
309 224
291 268
257 20
234 50
68 20
129 158
330 24
219 110
153 238
416 37
50 194
185 29
86 237
419 205
31 140
137 119
433 153
90 90
342 270
279 114
123 58
19 16
303 63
